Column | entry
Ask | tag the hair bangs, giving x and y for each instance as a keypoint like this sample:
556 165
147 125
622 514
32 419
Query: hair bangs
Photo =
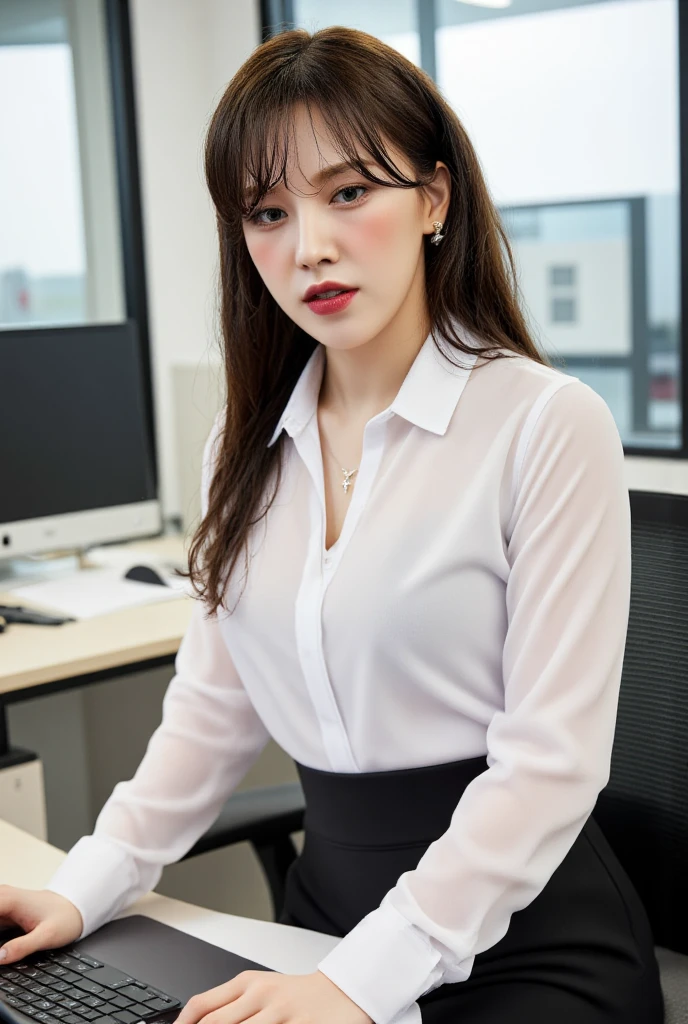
262 157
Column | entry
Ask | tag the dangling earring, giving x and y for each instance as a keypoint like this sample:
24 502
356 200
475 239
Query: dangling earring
437 237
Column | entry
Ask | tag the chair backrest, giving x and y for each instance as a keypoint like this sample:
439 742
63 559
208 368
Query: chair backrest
644 809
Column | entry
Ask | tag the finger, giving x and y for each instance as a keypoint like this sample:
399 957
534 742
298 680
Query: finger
17 949
239 1010
266 1016
199 1006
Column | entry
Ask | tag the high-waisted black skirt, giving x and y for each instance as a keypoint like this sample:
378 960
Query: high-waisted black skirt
581 953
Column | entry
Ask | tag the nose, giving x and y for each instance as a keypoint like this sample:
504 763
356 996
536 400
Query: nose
314 238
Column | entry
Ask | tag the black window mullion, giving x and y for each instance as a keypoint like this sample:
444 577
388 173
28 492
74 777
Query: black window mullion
276 16
121 74
427 21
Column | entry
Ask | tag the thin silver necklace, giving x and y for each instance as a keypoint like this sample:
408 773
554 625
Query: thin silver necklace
348 473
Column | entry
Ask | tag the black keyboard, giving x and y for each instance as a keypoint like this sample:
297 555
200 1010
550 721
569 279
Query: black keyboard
66 987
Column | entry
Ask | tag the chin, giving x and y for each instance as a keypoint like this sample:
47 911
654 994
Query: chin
344 341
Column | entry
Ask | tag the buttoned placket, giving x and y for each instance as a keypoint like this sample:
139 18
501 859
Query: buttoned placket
319 569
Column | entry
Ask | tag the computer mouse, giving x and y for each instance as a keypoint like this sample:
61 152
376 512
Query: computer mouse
144 574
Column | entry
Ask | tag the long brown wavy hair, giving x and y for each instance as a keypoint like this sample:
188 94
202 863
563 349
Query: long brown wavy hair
369 96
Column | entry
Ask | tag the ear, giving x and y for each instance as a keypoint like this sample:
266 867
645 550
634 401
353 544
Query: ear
435 198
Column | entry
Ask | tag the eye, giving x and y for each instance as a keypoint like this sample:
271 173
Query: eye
350 188
255 218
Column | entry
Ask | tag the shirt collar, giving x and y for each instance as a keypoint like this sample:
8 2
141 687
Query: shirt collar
427 397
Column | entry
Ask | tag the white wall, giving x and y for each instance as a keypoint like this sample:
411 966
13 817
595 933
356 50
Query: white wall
185 52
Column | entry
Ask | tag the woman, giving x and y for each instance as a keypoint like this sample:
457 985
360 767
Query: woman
414 560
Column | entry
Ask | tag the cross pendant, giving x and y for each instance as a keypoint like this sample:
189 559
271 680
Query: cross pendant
348 473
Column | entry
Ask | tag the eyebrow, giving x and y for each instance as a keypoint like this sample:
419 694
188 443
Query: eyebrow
324 175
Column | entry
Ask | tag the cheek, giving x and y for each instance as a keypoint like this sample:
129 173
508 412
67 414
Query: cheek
265 255
382 230
378 230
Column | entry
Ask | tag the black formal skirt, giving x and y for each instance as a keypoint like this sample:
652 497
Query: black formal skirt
581 953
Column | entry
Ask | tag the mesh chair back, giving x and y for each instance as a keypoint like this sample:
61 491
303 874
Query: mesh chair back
644 809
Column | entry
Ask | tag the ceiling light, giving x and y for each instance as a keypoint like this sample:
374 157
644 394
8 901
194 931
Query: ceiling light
487 3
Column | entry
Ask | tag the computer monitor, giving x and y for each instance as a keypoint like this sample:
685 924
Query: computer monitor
77 462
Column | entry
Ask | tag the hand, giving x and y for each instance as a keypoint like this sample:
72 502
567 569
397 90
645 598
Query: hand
48 919
266 997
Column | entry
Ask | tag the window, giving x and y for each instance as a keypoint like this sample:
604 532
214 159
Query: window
573 108
562 275
60 247
563 311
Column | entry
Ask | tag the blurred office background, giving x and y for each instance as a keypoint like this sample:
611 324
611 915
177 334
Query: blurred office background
573 106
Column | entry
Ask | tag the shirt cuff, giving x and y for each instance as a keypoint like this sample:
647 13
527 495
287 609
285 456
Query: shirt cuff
384 964
98 878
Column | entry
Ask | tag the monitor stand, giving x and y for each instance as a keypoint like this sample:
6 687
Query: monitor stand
48 565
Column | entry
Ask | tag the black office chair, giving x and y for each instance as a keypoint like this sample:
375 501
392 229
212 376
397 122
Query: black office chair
266 817
644 809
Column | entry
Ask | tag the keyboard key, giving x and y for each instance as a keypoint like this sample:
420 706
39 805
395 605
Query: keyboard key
122 1002
160 1004
56 971
94 1001
44 1004
59 1012
125 1017
143 1012
89 986
61 986
154 994
90 961
105 1020
133 991
72 1019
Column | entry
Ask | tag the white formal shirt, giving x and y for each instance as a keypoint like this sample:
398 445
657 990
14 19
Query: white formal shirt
475 603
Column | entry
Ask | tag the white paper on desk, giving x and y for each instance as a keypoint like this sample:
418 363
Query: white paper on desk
92 592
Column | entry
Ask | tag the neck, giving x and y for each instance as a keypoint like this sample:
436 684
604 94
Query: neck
360 382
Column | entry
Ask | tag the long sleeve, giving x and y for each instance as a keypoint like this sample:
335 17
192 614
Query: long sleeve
549 750
207 740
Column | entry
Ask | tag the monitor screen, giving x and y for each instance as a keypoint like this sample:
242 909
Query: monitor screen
73 427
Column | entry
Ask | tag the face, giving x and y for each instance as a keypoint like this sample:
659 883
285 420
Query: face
347 230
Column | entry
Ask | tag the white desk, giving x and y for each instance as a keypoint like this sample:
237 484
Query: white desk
28 863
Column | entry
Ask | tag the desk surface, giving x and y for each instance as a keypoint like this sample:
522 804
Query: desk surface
34 655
